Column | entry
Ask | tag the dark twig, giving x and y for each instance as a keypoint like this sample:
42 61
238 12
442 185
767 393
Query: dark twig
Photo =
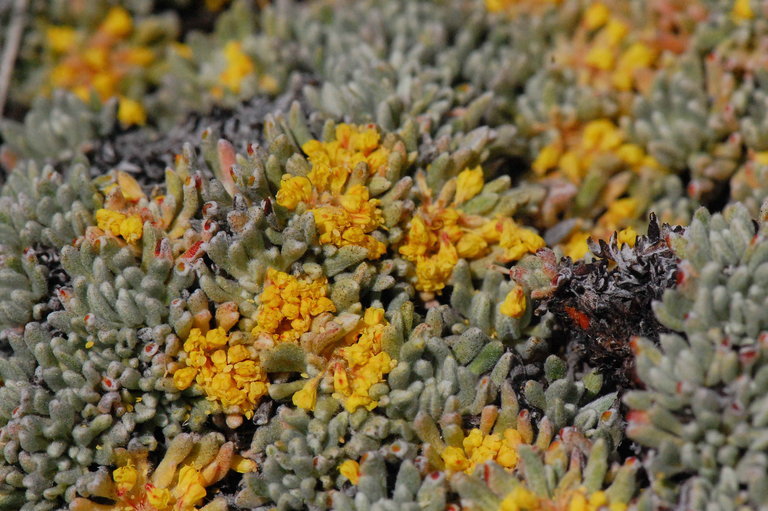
11 48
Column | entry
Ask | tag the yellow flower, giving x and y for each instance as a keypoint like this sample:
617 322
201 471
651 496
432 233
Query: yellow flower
598 499
362 363
601 135
139 56
130 227
159 498
215 338
61 39
520 499
514 304
176 484
243 465
507 5
342 216
578 502
547 158
293 190
576 247
627 236
125 477
573 165
742 11
478 448
184 377
288 305
117 23
434 242
353 144
228 374
615 31
306 398
507 456
468 184
351 470
471 246
596 16
238 66
600 57
350 222
619 212
454 459
518 241
433 272
183 50
190 489
636 57
108 220
631 154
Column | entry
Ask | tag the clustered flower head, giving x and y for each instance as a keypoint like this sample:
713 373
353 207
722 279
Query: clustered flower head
178 483
354 366
609 53
288 305
226 366
523 499
341 205
440 233
480 448
574 154
360 363
123 216
367 254
239 66
227 371
100 63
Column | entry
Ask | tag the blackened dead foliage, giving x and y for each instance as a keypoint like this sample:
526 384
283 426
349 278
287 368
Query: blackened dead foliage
600 305
146 153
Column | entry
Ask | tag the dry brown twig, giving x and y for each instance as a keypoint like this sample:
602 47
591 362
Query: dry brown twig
11 48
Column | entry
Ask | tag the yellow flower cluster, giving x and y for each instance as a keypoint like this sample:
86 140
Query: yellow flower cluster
238 67
178 482
431 244
357 366
574 154
122 215
129 227
100 62
580 501
227 372
344 213
362 363
135 492
520 499
523 499
438 236
289 304
619 213
478 448
609 51
514 239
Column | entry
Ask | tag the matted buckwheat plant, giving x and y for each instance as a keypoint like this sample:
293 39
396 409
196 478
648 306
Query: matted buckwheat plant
384 255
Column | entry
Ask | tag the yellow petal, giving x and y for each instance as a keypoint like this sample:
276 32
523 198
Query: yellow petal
468 184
